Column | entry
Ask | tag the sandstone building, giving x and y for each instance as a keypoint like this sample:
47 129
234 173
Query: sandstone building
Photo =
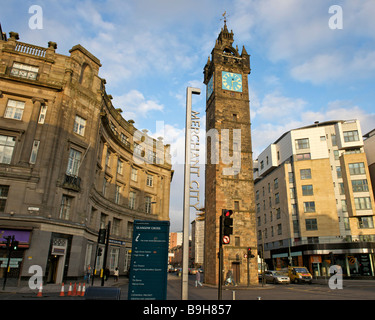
314 200
70 163
229 171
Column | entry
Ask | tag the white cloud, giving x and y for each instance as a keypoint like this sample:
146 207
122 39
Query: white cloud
135 105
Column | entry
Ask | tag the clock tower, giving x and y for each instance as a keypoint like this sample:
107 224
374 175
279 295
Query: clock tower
229 170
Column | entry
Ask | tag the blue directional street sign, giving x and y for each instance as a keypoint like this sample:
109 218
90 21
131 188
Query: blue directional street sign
149 261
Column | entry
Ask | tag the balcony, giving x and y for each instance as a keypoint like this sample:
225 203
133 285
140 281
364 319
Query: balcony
72 182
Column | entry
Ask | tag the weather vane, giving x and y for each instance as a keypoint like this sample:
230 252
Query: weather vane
225 17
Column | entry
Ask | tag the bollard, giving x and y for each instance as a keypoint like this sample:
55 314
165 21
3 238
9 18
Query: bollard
233 295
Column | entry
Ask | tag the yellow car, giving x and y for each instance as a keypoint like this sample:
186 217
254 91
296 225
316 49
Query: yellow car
299 275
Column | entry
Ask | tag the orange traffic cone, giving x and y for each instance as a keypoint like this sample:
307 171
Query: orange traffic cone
83 290
70 290
79 290
62 294
74 293
40 291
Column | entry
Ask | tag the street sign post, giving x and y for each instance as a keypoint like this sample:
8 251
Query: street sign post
149 261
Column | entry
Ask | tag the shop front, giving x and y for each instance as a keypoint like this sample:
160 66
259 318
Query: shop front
356 259
16 256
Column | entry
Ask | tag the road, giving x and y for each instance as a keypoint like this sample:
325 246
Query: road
352 290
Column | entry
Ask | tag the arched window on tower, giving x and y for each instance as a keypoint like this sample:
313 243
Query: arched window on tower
86 75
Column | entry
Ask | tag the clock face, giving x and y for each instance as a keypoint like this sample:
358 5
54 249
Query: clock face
210 87
231 81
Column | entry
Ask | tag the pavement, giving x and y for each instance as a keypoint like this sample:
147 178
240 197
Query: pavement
56 288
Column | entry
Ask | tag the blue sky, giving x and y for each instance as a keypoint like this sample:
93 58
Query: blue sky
151 50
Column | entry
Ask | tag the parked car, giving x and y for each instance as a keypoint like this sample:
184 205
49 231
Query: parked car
299 275
276 277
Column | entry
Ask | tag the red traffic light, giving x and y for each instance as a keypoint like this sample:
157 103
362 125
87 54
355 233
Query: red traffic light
228 213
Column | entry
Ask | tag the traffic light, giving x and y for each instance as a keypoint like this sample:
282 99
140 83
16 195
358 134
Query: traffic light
226 226
228 222
101 236
100 250
249 253
15 245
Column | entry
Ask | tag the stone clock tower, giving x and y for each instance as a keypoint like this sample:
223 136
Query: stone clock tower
229 171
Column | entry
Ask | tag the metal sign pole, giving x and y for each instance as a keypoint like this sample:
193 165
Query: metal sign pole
186 219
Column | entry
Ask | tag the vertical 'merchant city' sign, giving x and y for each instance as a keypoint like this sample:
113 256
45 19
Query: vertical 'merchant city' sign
191 190
194 160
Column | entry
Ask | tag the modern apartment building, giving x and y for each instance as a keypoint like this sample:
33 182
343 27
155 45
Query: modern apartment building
369 143
70 164
314 200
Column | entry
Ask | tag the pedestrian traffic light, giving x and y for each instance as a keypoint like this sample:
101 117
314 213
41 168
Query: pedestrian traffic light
101 236
15 245
100 250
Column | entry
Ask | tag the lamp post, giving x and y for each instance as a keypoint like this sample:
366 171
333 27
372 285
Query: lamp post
186 219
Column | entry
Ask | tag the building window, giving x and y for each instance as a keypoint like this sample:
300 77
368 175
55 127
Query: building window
350 136
305 174
65 207
79 126
365 222
137 149
34 151
360 185
341 188
303 156
333 138
151 156
311 224
336 154
24 71
103 221
134 175
291 177
117 194
113 258
302 144
277 198
124 139
14 109
292 193
130 229
116 226
307 190
148 205
344 205
42 114
3 197
278 213
236 205
338 172
107 159
150 180
356 168
104 189
258 207
309 206
363 203
74 162
6 148
120 166
257 195
132 199
276 183
279 229
346 223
